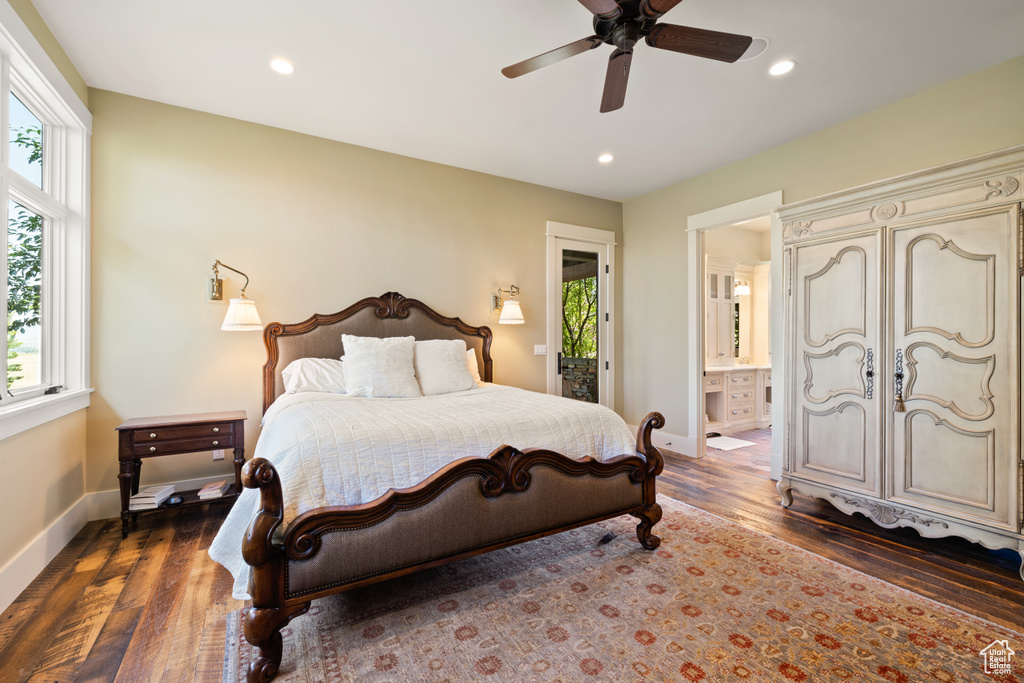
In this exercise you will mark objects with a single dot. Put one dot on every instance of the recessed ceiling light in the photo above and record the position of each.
(783, 67)
(757, 47)
(605, 158)
(282, 66)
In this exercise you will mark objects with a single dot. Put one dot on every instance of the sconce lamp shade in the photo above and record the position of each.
(742, 289)
(511, 313)
(242, 316)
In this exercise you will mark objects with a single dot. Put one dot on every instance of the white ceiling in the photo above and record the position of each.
(422, 78)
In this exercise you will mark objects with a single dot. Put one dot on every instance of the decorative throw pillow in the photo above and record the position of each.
(314, 374)
(474, 368)
(380, 367)
(441, 366)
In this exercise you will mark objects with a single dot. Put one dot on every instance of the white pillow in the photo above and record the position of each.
(380, 367)
(314, 374)
(474, 368)
(441, 366)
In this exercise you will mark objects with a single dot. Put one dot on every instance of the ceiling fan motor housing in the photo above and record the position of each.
(626, 30)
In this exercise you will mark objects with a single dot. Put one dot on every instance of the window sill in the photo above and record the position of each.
(31, 413)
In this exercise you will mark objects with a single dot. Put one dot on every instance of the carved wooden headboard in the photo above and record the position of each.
(389, 315)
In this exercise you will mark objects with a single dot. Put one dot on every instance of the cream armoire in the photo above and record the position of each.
(903, 332)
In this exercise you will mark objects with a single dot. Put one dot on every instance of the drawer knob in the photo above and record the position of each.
(152, 449)
(214, 443)
(152, 435)
(216, 429)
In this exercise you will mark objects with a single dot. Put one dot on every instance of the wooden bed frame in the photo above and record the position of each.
(509, 497)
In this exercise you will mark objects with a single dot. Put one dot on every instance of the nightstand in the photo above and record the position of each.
(154, 437)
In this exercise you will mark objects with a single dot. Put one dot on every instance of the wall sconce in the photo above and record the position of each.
(511, 313)
(742, 288)
(242, 315)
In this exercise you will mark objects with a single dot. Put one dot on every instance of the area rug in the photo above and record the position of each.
(716, 602)
(728, 443)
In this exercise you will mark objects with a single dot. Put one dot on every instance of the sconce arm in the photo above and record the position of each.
(224, 265)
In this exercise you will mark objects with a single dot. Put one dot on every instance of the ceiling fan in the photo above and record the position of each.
(622, 24)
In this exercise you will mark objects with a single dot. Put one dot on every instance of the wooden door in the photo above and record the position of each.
(955, 327)
(835, 435)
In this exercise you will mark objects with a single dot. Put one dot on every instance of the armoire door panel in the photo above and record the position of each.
(954, 300)
(962, 385)
(835, 444)
(834, 294)
(950, 464)
(835, 311)
(835, 373)
(949, 291)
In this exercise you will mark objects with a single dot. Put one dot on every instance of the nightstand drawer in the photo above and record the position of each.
(206, 443)
(190, 432)
(740, 412)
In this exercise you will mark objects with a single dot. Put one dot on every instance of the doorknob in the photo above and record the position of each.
(559, 361)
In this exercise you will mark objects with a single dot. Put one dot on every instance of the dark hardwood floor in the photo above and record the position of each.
(152, 607)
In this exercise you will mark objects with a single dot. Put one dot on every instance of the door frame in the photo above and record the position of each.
(696, 226)
(604, 243)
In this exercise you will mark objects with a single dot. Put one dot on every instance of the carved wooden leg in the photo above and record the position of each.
(262, 628)
(648, 516)
(786, 492)
(124, 479)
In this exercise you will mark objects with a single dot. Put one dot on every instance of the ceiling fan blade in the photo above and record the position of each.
(606, 9)
(548, 58)
(699, 42)
(615, 80)
(655, 8)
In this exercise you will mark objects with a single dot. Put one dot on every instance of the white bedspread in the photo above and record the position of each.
(332, 449)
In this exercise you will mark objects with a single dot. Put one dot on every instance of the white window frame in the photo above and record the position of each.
(28, 71)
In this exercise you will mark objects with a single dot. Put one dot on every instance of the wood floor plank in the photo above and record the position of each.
(26, 604)
(108, 651)
(62, 660)
(146, 656)
(188, 628)
(20, 657)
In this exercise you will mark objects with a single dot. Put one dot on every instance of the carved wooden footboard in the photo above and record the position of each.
(509, 497)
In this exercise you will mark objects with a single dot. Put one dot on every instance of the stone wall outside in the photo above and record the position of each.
(579, 379)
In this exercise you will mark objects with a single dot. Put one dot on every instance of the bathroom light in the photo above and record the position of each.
(783, 67)
(742, 288)
(242, 315)
(606, 158)
(282, 66)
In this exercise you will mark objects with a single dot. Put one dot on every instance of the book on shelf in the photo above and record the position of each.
(214, 490)
(151, 497)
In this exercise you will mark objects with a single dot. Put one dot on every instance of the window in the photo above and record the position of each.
(44, 198)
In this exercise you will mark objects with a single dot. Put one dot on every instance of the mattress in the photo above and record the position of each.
(333, 449)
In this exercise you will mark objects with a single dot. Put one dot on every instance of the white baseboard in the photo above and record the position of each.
(20, 571)
(24, 567)
(673, 442)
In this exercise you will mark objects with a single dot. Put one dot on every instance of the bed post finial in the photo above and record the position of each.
(263, 621)
(650, 514)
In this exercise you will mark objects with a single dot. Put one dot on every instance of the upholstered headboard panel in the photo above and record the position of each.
(390, 315)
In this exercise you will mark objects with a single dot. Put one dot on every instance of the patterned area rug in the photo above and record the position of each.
(717, 602)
